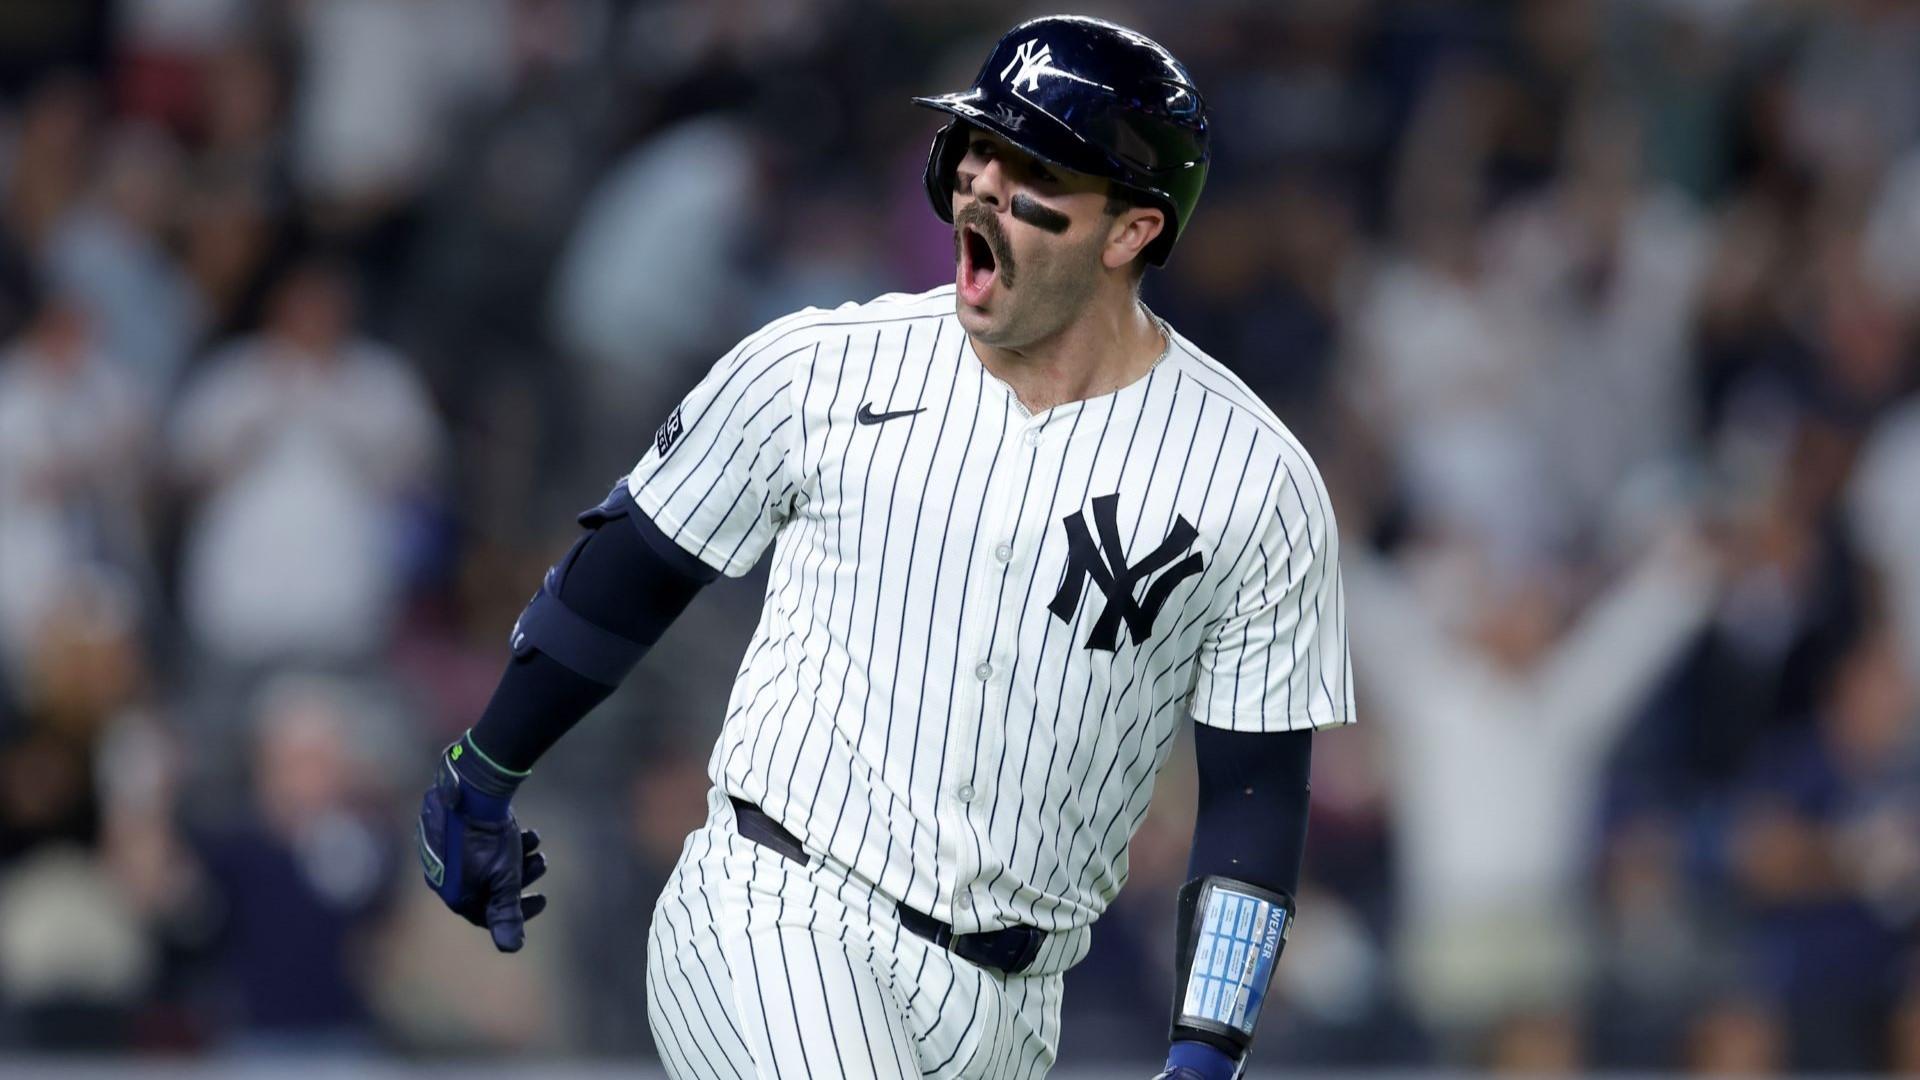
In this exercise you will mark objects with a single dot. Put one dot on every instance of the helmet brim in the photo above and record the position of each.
(1012, 123)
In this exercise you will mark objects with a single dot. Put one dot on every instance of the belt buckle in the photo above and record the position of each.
(1008, 962)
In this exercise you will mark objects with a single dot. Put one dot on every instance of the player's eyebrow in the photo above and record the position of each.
(1029, 210)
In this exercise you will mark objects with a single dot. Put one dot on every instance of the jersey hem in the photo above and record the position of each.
(1312, 718)
(672, 528)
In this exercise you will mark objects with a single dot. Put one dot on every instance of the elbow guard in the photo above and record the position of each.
(631, 585)
(550, 626)
(1229, 937)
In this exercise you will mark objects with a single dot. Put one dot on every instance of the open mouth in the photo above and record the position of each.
(978, 267)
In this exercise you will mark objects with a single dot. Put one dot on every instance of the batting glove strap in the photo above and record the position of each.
(487, 786)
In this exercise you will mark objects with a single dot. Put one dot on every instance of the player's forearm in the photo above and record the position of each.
(537, 701)
(1249, 838)
(597, 612)
(602, 607)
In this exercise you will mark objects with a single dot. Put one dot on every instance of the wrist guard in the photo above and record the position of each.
(1228, 942)
(487, 786)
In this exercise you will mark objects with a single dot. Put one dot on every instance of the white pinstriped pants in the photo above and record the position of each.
(760, 967)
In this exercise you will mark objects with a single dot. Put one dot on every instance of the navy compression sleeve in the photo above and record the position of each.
(1252, 821)
(626, 578)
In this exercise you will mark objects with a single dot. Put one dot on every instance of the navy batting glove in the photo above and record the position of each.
(1198, 1061)
(471, 848)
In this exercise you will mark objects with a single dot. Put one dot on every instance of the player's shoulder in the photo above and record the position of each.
(1271, 439)
(1215, 379)
(811, 325)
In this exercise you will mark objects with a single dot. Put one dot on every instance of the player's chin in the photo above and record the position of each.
(980, 321)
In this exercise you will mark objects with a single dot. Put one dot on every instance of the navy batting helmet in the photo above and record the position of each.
(1090, 96)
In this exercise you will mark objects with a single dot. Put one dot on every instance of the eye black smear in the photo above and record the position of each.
(1040, 217)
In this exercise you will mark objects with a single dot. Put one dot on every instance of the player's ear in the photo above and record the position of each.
(1132, 230)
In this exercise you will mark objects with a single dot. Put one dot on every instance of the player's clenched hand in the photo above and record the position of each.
(475, 855)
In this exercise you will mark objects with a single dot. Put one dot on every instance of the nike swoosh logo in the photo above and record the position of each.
(866, 415)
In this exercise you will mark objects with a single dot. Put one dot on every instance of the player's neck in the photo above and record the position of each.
(1111, 345)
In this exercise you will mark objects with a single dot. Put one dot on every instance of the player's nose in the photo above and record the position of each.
(990, 183)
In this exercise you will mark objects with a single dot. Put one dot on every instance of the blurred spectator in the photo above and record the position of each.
(111, 252)
(228, 238)
(380, 79)
(301, 880)
(1825, 855)
(164, 48)
(1601, 267)
(1677, 62)
(1893, 232)
(1792, 601)
(1885, 514)
(50, 157)
(641, 289)
(1657, 956)
(491, 228)
(240, 109)
(48, 798)
(1906, 1036)
(299, 445)
(1736, 1038)
(1856, 92)
(1501, 708)
(1444, 370)
(74, 960)
(74, 426)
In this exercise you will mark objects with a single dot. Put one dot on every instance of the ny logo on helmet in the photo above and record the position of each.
(1032, 63)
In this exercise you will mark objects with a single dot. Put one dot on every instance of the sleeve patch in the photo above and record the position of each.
(668, 434)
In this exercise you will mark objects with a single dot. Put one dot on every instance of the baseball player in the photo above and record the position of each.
(1021, 530)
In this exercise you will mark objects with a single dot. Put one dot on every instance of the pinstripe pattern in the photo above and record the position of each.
(910, 707)
(810, 975)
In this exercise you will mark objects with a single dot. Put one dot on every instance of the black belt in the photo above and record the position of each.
(1010, 951)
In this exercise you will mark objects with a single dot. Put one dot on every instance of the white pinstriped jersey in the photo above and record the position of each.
(983, 626)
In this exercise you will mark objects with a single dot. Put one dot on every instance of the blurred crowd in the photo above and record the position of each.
(320, 318)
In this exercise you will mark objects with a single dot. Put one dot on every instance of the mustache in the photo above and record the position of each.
(984, 221)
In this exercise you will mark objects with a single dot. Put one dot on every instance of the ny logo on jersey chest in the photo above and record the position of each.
(1105, 563)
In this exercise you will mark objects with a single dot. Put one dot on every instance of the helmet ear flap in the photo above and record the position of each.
(949, 146)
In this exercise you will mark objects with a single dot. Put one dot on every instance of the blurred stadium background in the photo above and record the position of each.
(322, 317)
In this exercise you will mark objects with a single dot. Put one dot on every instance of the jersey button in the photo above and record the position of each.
(1033, 438)
(1004, 552)
(964, 793)
(983, 671)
